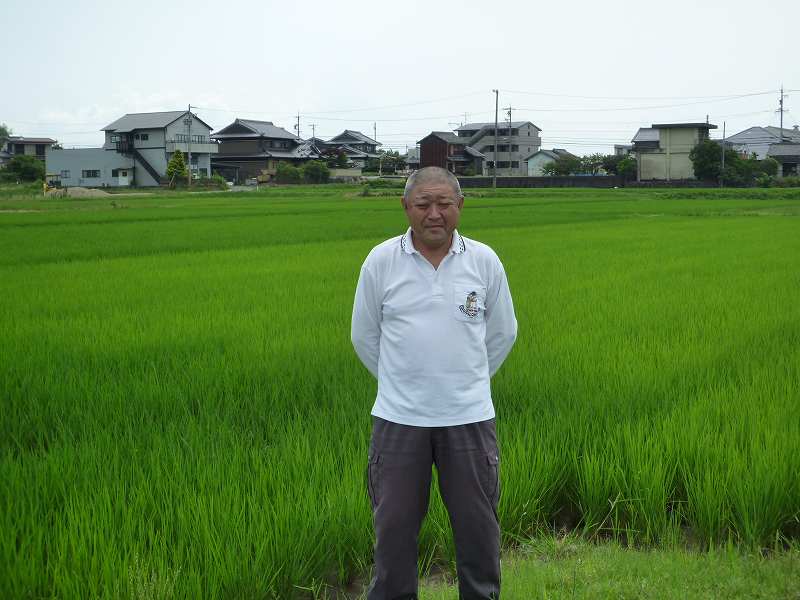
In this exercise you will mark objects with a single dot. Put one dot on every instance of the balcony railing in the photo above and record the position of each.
(199, 143)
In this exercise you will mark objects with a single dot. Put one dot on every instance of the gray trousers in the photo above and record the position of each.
(399, 481)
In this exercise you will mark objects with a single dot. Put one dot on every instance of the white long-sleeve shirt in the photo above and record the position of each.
(433, 337)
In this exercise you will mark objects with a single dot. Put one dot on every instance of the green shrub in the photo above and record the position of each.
(287, 173)
(316, 171)
(219, 181)
(791, 181)
(24, 168)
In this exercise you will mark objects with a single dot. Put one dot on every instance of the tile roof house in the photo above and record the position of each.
(252, 149)
(358, 147)
(757, 140)
(449, 151)
(537, 160)
(137, 149)
(788, 156)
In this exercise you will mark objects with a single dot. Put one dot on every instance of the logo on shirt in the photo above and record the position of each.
(470, 306)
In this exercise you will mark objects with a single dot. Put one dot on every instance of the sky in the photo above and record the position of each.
(587, 73)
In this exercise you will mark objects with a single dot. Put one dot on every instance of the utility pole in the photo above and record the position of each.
(313, 130)
(508, 110)
(375, 132)
(722, 171)
(494, 162)
(297, 127)
(780, 109)
(188, 122)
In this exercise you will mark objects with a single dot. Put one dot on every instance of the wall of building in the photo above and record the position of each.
(71, 164)
(536, 163)
(670, 161)
(433, 152)
(527, 142)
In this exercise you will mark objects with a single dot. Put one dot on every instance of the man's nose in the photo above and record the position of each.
(434, 212)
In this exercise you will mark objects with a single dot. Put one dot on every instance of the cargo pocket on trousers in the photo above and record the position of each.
(373, 478)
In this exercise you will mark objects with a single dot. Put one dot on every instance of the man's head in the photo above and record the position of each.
(432, 201)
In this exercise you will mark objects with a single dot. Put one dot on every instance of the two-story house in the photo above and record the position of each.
(449, 151)
(515, 142)
(662, 150)
(17, 145)
(358, 147)
(252, 149)
(137, 150)
(781, 144)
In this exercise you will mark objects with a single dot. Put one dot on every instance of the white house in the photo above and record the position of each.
(540, 158)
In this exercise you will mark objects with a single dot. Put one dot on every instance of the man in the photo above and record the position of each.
(433, 321)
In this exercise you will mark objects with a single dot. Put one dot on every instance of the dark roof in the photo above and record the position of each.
(790, 134)
(356, 135)
(151, 120)
(500, 125)
(258, 129)
(683, 126)
(21, 139)
(472, 152)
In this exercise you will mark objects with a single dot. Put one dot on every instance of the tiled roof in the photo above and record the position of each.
(21, 139)
(356, 135)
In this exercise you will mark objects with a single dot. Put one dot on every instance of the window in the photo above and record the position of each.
(19, 148)
(488, 148)
(65, 174)
(115, 172)
(515, 164)
(502, 147)
(515, 132)
(145, 137)
(514, 148)
(124, 173)
(136, 137)
(502, 164)
(490, 164)
(114, 139)
(40, 150)
(90, 173)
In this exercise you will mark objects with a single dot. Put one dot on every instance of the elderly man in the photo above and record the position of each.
(433, 321)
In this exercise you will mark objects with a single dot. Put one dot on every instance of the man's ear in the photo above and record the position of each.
(403, 201)
(461, 203)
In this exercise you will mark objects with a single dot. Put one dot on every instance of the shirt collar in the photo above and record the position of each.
(456, 247)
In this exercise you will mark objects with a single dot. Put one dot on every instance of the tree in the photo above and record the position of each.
(5, 133)
(611, 162)
(591, 164)
(626, 168)
(286, 173)
(769, 166)
(316, 171)
(562, 166)
(341, 160)
(25, 168)
(176, 169)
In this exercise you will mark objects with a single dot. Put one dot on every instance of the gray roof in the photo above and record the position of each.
(258, 129)
(21, 139)
(151, 120)
(450, 138)
(784, 149)
(356, 135)
(790, 134)
(646, 134)
(472, 152)
(555, 154)
(500, 125)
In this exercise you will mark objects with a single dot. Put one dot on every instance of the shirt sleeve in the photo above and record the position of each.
(501, 324)
(365, 330)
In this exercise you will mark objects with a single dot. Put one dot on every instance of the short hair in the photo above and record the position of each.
(426, 174)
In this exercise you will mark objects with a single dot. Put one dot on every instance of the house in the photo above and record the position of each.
(449, 151)
(757, 140)
(515, 141)
(137, 149)
(788, 156)
(623, 149)
(17, 145)
(662, 150)
(358, 147)
(252, 149)
(536, 161)
(412, 159)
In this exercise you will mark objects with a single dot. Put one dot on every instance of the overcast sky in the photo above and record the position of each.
(587, 73)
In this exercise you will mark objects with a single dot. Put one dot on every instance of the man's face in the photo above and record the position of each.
(433, 209)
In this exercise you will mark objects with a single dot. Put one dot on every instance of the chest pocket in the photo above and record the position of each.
(469, 302)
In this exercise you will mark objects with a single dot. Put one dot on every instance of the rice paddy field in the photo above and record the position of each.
(183, 414)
